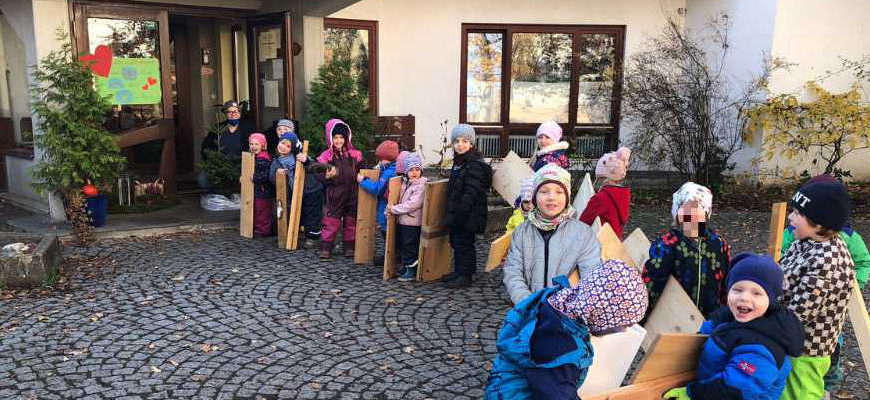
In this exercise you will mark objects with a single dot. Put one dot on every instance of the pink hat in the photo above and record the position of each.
(613, 165)
(258, 137)
(400, 162)
(551, 130)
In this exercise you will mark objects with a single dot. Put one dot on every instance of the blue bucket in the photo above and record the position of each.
(98, 207)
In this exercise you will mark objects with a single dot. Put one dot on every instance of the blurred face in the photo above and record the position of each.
(415, 173)
(461, 145)
(544, 140)
(233, 113)
(551, 199)
(281, 129)
(338, 141)
(802, 228)
(255, 147)
(747, 300)
(283, 148)
(691, 218)
(527, 206)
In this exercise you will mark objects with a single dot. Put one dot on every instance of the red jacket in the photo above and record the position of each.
(611, 204)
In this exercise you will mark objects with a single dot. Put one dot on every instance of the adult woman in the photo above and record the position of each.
(230, 139)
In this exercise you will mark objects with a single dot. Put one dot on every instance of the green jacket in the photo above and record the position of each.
(855, 244)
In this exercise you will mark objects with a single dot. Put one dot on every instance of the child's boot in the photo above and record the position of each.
(325, 250)
(409, 273)
(348, 249)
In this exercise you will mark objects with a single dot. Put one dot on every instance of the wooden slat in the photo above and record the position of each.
(670, 354)
(498, 250)
(619, 349)
(507, 178)
(366, 222)
(637, 245)
(584, 193)
(162, 130)
(283, 207)
(395, 189)
(777, 223)
(611, 246)
(435, 251)
(675, 312)
(860, 324)
(651, 390)
(246, 217)
(296, 202)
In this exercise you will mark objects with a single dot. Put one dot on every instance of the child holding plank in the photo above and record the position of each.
(341, 191)
(409, 209)
(551, 150)
(613, 199)
(264, 192)
(288, 152)
(522, 205)
(386, 152)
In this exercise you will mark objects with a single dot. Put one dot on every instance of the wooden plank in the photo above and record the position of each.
(637, 245)
(296, 202)
(670, 354)
(611, 246)
(777, 223)
(650, 390)
(860, 324)
(366, 222)
(282, 207)
(507, 178)
(498, 250)
(675, 312)
(395, 189)
(246, 210)
(584, 193)
(608, 371)
(435, 251)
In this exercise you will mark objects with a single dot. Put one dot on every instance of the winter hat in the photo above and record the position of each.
(527, 186)
(693, 191)
(288, 123)
(464, 131)
(413, 160)
(826, 204)
(613, 165)
(387, 150)
(760, 269)
(551, 130)
(258, 137)
(552, 173)
(340, 128)
(295, 144)
(611, 295)
(823, 178)
(231, 103)
(400, 162)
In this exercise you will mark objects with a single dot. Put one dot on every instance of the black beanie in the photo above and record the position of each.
(760, 269)
(826, 204)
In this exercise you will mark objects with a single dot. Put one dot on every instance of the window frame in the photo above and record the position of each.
(504, 127)
(372, 27)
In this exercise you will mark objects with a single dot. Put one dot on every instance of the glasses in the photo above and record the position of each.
(232, 111)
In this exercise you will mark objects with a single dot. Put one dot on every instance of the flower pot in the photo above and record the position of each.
(98, 207)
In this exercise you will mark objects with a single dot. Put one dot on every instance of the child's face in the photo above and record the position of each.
(544, 141)
(747, 300)
(283, 148)
(415, 173)
(527, 206)
(691, 218)
(551, 199)
(802, 227)
(281, 129)
(255, 147)
(338, 141)
(461, 145)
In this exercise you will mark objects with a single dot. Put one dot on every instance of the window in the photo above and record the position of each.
(565, 73)
(356, 40)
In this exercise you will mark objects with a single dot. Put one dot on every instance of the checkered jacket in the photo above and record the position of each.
(818, 281)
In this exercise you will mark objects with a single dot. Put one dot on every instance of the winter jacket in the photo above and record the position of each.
(410, 205)
(537, 257)
(330, 152)
(231, 144)
(506, 378)
(288, 162)
(701, 270)
(515, 220)
(341, 191)
(470, 179)
(611, 204)
(818, 283)
(747, 360)
(553, 154)
(855, 244)
(263, 188)
(379, 189)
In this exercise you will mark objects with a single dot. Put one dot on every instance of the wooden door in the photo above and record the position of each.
(270, 57)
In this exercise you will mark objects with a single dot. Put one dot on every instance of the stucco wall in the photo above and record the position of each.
(17, 103)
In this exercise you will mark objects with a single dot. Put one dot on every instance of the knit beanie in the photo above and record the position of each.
(551, 130)
(527, 186)
(826, 204)
(609, 296)
(552, 173)
(295, 144)
(228, 104)
(413, 160)
(692, 191)
(760, 269)
(613, 165)
(258, 137)
(288, 123)
(387, 150)
(464, 131)
(400, 163)
(823, 178)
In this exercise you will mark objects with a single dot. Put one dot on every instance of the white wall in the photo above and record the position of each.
(14, 55)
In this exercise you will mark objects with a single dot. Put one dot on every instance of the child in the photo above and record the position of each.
(341, 191)
(551, 150)
(612, 200)
(410, 212)
(819, 273)
(522, 206)
(470, 178)
(264, 192)
(386, 152)
(751, 340)
(692, 252)
(544, 347)
(400, 163)
(289, 152)
(551, 242)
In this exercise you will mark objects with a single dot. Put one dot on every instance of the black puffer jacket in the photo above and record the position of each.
(469, 183)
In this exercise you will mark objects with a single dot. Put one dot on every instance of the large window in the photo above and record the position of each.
(516, 76)
(356, 40)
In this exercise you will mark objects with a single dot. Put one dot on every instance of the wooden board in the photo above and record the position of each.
(282, 207)
(670, 354)
(596, 225)
(584, 193)
(296, 202)
(615, 352)
(777, 223)
(395, 190)
(498, 250)
(650, 390)
(246, 210)
(675, 312)
(611, 246)
(435, 251)
(507, 177)
(860, 324)
(366, 222)
(637, 245)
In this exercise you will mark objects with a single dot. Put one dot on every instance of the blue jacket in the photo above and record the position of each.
(747, 360)
(379, 189)
(288, 162)
(507, 379)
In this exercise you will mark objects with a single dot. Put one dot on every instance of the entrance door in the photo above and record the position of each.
(270, 58)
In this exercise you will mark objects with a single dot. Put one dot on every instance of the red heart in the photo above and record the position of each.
(151, 81)
(100, 62)
(144, 87)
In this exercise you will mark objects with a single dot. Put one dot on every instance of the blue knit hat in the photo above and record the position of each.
(760, 269)
(295, 144)
(826, 204)
(464, 131)
(288, 123)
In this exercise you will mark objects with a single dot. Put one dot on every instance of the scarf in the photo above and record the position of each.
(549, 224)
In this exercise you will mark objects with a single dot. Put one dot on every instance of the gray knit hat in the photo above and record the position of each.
(288, 123)
(464, 131)
(413, 160)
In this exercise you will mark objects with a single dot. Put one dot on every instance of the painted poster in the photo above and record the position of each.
(132, 81)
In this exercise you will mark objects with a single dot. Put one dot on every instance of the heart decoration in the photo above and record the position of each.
(152, 81)
(145, 87)
(100, 62)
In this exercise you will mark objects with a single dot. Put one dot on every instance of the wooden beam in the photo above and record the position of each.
(246, 219)
(436, 254)
(860, 324)
(674, 312)
(283, 207)
(651, 390)
(163, 129)
(296, 202)
(611, 246)
(394, 191)
(366, 222)
(167, 165)
(670, 354)
(498, 250)
(777, 223)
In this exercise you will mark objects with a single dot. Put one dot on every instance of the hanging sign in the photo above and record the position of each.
(132, 81)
